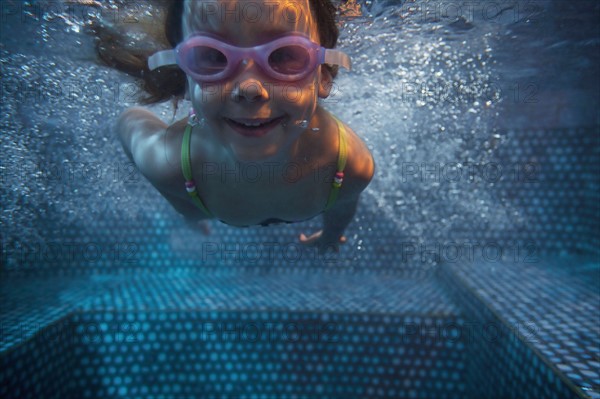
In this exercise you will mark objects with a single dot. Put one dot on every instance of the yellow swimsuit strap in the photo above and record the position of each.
(341, 164)
(186, 167)
(190, 185)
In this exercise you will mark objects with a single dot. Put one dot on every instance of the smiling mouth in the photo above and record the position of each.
(257, 127)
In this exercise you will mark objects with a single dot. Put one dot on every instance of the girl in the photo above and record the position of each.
(257, 147)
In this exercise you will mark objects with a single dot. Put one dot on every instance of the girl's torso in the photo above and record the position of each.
(249, 193)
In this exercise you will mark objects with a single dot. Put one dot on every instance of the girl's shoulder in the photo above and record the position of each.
(360, 165)
(154, 146)
(167, 154)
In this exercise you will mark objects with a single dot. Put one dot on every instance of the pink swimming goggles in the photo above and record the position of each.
(288, 58)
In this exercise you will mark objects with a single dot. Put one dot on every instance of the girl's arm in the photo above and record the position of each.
(336, 219)
(143, 136)
(137, 129)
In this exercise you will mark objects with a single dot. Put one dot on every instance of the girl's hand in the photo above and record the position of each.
(321, 242)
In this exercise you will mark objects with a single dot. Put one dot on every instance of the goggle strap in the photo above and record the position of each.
(336, 57)
(162, 58)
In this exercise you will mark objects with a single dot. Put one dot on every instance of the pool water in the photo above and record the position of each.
(471, 268)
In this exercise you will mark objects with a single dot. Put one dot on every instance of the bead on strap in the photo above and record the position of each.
(186, 165)
(341, 164)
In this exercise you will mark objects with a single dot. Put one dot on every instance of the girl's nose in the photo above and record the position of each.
(248, 87)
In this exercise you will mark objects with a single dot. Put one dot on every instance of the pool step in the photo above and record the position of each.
(285, 335)
(535, 325)
(246, 335)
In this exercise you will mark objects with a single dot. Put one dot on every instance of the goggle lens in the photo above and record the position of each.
(208, 61)
(205, 60)
(289, 60)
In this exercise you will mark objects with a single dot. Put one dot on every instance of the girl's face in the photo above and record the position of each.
(251, 113)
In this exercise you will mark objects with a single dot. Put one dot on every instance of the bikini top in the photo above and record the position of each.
(190, 185)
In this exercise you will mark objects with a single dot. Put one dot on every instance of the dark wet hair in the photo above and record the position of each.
(115, 48)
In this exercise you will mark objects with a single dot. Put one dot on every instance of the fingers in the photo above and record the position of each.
(314, 240)
(303, 239)
(310, 239)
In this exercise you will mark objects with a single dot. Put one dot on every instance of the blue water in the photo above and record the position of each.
(483, 121)
(435, 91)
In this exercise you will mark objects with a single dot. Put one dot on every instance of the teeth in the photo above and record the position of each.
(258, 123)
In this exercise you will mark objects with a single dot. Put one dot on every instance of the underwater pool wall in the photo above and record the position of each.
(314, 328)
(447, 288)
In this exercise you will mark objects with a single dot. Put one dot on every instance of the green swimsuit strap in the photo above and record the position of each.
(186, 167)
(341, 164)
(190, 185)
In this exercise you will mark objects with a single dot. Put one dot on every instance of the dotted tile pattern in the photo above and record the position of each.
(41, 368)
(549, 180)
(557, 211)
(318, 292)
(304, 354)
(236, 307)
(238, 335)
(252, 355)
(28, 306)
(541, 317)
(552, 178)
(161, 241)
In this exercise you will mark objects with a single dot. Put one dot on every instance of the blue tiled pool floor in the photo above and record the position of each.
(29, 304)
(493, 328)
(552, 306)
(325, 335)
